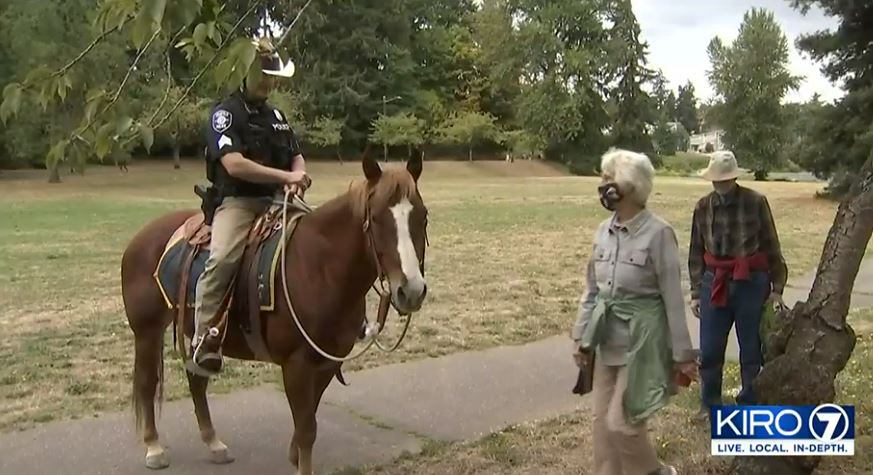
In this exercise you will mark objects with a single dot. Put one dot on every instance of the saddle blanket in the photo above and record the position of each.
(168, 274)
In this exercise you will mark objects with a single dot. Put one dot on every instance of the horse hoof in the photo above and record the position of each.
(221, 457)
(157, 461)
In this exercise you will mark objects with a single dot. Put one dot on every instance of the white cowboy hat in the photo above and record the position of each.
(722, 167)
(279, 68)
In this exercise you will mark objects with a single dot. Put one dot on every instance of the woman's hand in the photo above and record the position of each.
(580, 356)
(685, 372)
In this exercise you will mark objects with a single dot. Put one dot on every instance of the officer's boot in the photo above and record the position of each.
(206, 357)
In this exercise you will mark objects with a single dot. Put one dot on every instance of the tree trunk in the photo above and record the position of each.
(177, 152)
(55, 173)
(470, 148)
(339, 155)
(813, 342)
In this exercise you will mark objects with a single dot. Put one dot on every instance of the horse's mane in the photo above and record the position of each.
(394, 184)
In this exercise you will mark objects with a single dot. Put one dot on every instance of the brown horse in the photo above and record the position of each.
(333, 258)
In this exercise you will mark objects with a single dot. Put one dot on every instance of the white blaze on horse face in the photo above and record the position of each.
(405, 248)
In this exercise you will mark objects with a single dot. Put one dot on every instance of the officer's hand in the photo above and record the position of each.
(298, 178)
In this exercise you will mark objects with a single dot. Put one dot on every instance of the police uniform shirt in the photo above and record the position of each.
(257, 131)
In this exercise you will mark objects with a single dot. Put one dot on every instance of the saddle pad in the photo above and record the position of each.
(169, 272)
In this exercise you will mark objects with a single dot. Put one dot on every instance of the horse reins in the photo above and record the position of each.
(383, 294)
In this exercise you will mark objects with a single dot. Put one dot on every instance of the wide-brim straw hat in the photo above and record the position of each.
(722, 167)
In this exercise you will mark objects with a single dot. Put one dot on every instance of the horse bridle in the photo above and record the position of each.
(371, 245)
(385, 300)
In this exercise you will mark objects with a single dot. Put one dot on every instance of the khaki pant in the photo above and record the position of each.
(230, 229)
(619, 448)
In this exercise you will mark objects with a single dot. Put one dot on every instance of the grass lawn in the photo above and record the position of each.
(563, 445)
(508, 245)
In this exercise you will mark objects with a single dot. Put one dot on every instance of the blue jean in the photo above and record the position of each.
(744, 309)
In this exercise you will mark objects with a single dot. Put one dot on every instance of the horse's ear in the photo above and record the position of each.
(372, 170)
(414, 165)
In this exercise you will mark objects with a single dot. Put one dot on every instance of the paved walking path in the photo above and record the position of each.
(385, 412)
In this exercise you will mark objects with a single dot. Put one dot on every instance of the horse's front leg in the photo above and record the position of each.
(299, 377)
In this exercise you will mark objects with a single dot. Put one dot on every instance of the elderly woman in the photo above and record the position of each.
(631, 321)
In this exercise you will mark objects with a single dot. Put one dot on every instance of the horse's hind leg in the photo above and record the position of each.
(197, 385)
(147, 375)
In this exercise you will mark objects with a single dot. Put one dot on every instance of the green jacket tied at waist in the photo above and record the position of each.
(649, 357)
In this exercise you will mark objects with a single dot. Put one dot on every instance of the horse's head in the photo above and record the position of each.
(395, 220)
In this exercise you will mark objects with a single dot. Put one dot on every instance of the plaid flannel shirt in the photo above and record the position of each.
(738, 224)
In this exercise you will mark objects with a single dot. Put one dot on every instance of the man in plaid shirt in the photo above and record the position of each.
(736, 267)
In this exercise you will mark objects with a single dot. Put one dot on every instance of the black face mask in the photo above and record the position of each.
(609, 195)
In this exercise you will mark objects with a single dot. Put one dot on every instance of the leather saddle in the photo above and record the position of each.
(253, 289)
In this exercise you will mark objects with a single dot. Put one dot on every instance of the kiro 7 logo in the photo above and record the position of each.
(829, 422)
(827, 429)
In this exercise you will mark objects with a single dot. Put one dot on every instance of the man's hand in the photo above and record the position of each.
(298, 178)
(695, 308)
(776, 301)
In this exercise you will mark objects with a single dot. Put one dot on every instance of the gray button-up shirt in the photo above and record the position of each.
(638, 258)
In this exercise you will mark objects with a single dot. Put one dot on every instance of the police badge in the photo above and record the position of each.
(221, 120)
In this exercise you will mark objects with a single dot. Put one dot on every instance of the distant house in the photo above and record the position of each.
(697, 142)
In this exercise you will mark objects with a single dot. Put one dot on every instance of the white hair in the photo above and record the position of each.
(633, 172)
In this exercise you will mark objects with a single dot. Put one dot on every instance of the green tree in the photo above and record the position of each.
(751, 76)
(326, 132)
(559, 52)
(398, 129)
(523, 143)
(670, 137)
(813, 342)
(469, 128)
(634, 109)
(102, 92)
(353, 54)
(664, 99)
(501, 58)
(686, 108)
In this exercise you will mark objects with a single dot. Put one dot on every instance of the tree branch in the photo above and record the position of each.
(120, 87)
(200, 74)
(131, 68)
(293, 22)
(90, 47)
(169, 76)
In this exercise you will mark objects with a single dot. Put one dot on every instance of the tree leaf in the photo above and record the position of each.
(56, 154)
(142, 29)
(11, 101)
(214, 34)
(148, 136)
(103, 141)
(123, 125)
(182, 12)
(155, 9)
(200, 34)
(64, 84)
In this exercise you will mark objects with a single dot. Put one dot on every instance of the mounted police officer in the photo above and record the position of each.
(252, 153)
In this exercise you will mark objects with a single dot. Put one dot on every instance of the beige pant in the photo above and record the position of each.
(619, 448)
(230, 229)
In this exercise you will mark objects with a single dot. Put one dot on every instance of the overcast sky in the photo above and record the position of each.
(678, 32)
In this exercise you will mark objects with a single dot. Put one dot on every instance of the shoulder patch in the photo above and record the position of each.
(278, 114)
(221, 120)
